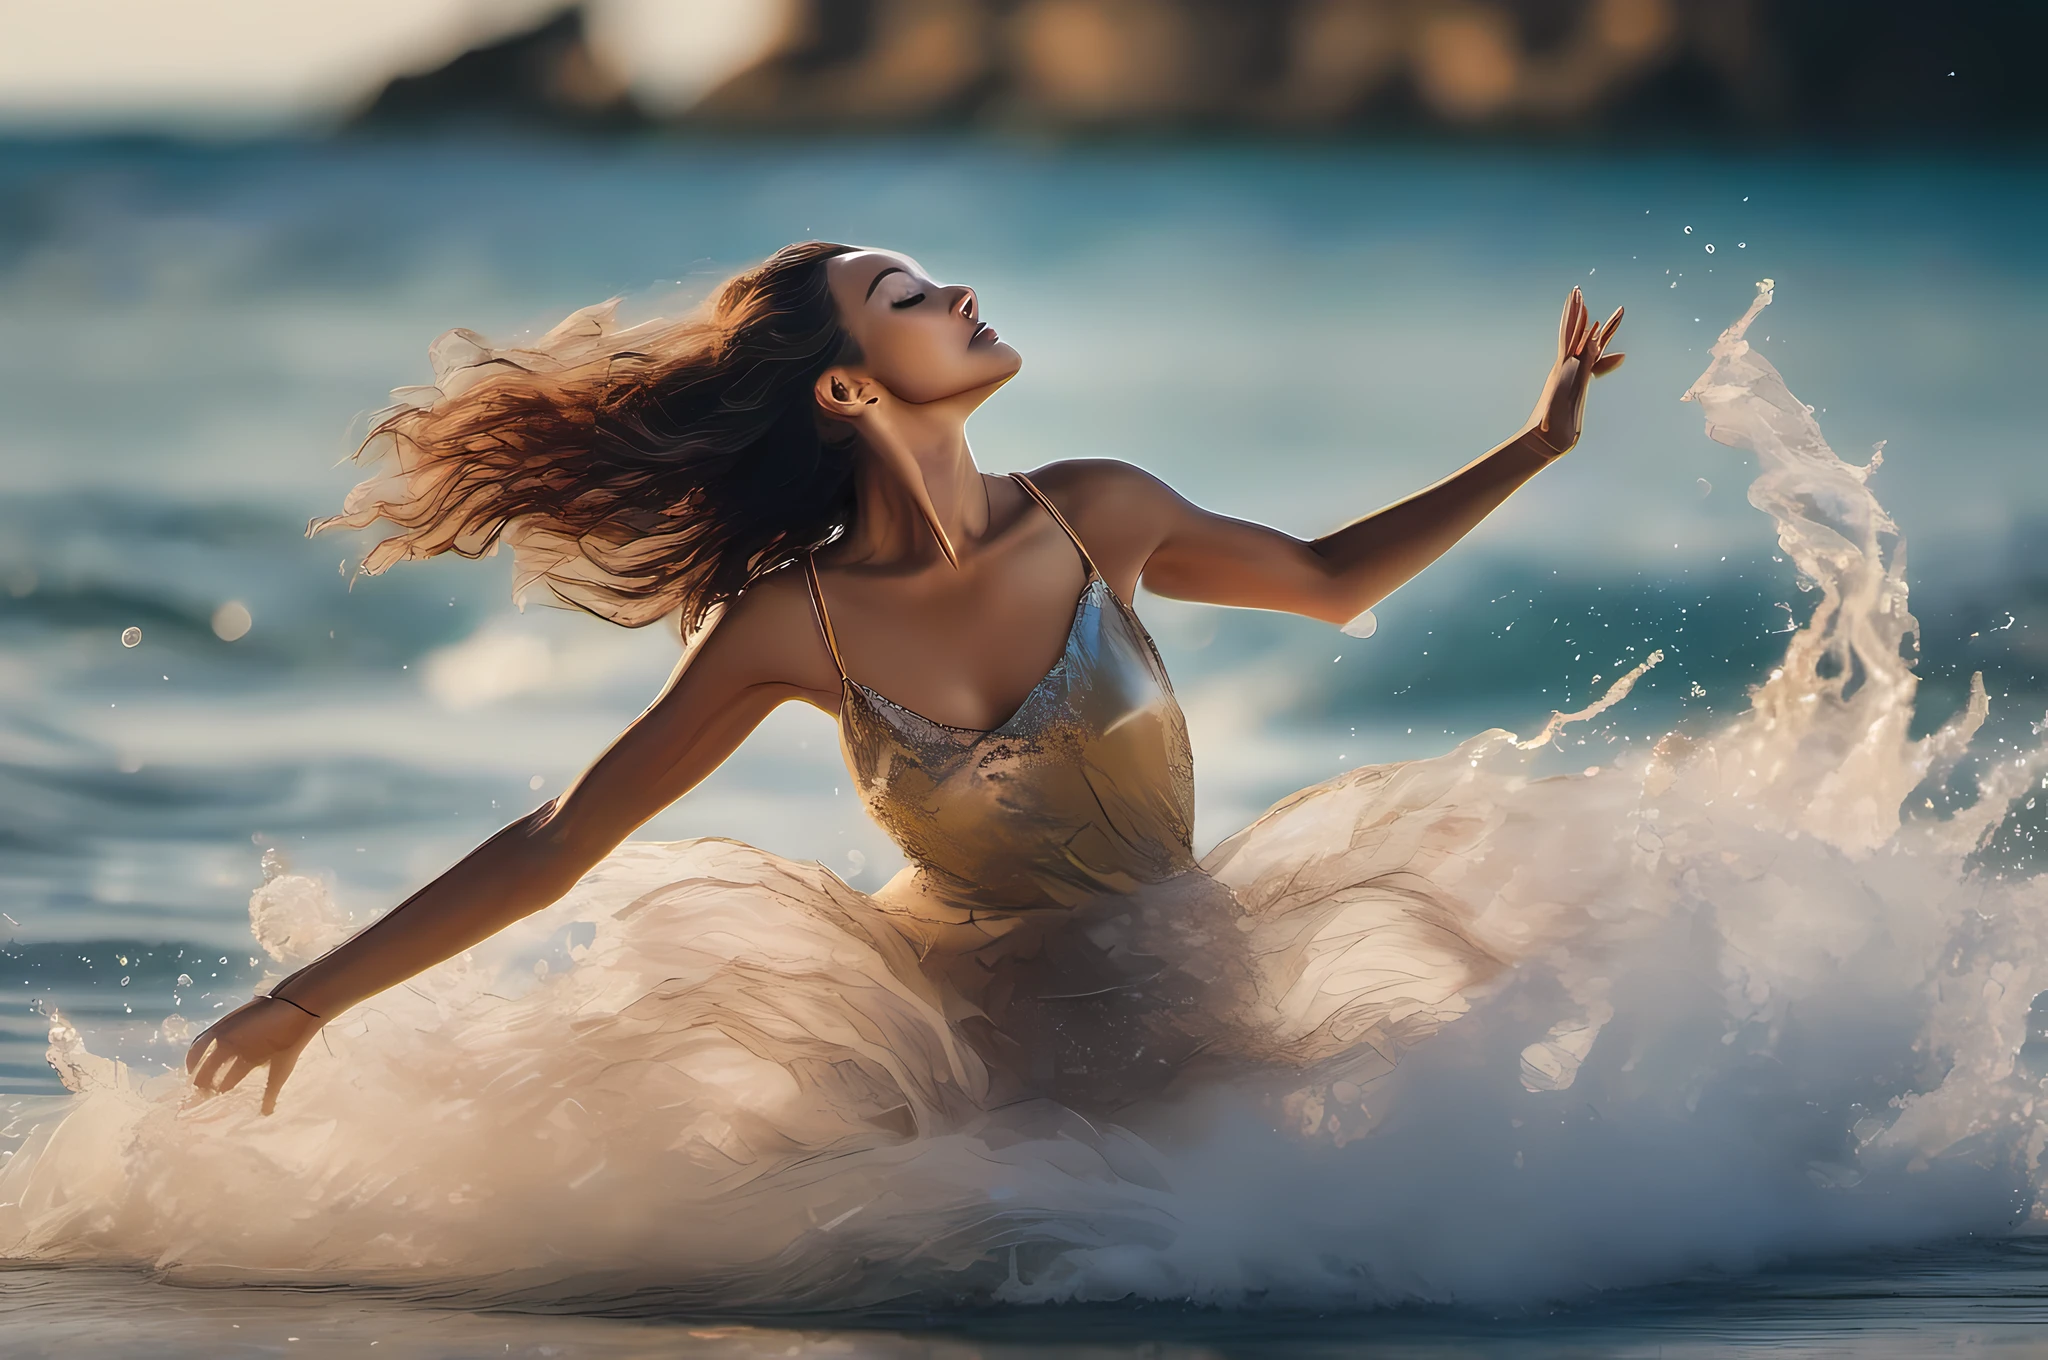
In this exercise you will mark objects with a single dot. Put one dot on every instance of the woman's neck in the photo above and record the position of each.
(914, 480)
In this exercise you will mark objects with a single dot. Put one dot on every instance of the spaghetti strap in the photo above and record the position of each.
(1057, 518)
(818, 607)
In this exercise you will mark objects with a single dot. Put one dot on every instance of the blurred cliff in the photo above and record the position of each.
(1537, 68)
(548, 76)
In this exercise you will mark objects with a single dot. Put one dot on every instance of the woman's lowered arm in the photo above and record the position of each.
(763, 652)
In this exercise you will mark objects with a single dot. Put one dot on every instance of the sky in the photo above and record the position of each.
(199, 65)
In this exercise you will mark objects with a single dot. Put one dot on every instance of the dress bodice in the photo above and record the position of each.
(1086, 790)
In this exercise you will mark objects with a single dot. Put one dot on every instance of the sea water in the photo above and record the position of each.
(1811, 1049)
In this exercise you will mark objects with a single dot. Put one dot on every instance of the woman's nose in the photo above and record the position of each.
(966, 304)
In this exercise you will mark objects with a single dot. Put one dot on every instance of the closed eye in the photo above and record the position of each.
(910, 301)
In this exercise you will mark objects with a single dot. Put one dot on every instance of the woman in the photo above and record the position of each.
(790, 474)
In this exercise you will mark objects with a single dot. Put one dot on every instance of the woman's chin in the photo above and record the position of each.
(1007, 373)
(991, 377)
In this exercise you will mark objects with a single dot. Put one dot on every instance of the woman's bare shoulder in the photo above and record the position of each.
(1089, 481)
(769, 635)
(1108, 491)
(1120, 511)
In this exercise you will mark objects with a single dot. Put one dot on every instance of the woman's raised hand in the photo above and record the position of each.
(266, 1030)
(1581, 357)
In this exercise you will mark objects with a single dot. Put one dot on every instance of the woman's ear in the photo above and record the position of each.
(845, 393)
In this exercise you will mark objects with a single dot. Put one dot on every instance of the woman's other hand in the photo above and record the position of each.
(1581, 356)
(265, 1031)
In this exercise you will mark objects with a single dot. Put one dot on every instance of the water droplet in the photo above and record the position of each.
(1688, 231)
(535, 782)
(184, 981)
(1704, 487)
(1710, 247)
(1363, 625)
(1742, 245)
(232, 621)
(131, 637)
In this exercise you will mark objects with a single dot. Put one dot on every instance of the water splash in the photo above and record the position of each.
(1738, 1004)
(1616, 692)
(294, 917)
(1823, 746)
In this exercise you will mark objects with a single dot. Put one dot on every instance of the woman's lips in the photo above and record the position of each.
(983, 332)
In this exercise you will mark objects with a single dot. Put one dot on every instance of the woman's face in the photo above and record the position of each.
(923, 340)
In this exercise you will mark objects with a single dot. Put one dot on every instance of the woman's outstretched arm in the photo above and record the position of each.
(1138, 527)
(765, 651)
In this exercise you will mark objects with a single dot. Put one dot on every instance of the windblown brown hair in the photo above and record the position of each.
(635, 473)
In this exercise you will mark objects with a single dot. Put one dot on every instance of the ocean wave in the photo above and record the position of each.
(1761, 1002)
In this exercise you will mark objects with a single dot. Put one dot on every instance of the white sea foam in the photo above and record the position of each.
(1753, 1005)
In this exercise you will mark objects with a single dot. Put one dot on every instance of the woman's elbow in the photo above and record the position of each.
(558, 847)
(1337, 596)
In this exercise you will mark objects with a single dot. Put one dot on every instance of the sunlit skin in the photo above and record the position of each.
(952, 594)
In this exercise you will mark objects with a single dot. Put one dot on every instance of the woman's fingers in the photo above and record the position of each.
(1607, 363)
(1603, 335)
(1575, 326)
(1571, 331)
(203, 1078)
(1588, 355)
(280, 1067)
(239, 1068)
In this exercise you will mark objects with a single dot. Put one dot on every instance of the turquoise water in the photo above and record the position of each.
(1985, 1300)
(1295, 336)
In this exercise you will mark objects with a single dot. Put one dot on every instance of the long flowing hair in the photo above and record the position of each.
(635, 473)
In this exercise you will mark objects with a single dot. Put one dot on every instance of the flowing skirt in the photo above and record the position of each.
(709, 1056)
